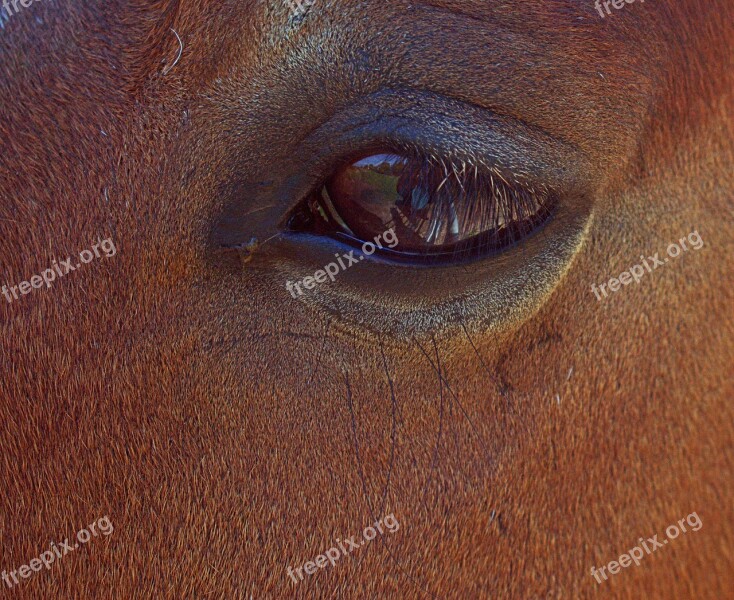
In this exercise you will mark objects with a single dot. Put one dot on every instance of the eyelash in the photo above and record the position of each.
(482, 203)
(462, 195)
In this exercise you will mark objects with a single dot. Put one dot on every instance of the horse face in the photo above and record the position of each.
(510, 419)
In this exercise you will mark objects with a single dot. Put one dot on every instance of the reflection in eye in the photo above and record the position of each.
(440, 211)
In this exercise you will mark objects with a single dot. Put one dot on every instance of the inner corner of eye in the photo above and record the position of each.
(438, 208)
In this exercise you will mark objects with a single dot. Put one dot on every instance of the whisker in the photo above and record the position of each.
(381, 535)
(440, 431)
(394, 425)
(500, 385)
(458, 402)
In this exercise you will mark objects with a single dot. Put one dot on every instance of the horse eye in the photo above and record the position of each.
(439, 211)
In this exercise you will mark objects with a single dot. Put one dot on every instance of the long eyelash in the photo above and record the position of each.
(451, 209)
(500, 208)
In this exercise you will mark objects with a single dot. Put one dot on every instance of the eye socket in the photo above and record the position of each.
(440, 211)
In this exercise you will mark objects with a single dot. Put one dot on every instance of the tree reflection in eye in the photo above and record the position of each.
(440, 210)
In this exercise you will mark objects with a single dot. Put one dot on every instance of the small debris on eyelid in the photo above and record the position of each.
(246, 250)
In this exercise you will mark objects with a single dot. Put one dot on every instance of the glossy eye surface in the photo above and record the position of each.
(439, 211)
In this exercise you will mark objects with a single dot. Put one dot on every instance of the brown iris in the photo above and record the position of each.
(438, 209)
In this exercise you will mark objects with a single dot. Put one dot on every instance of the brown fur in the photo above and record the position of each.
(230, 432)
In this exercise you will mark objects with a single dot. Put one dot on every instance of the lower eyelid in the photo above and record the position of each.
(400, 298)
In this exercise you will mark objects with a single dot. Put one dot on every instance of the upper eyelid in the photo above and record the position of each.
(445, 127)
(397, 118)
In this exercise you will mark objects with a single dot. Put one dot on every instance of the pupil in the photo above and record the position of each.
(367, 191)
